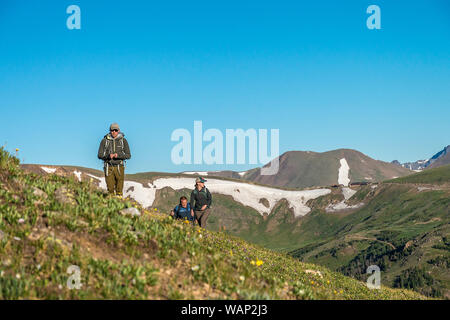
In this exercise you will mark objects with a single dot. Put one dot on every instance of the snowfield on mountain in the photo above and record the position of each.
(245, 193)
(343, 172)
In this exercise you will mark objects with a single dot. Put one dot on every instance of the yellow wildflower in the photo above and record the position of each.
(259, 262)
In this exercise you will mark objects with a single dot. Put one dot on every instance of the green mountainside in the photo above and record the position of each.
(439, 175)
(49, 223)
(404, 228)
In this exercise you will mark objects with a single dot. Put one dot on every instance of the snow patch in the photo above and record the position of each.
(137, 191)
(342, 206)
(343, 173)
(348, 193)
(242, 173)
(145, 196)
(48, 170)
(244, 193)
(77, 174)
(102, 181)
(200, 173)
(249, 194)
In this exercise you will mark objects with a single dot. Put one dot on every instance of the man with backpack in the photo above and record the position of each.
(114, 150)
(182, 210)
(200, 202)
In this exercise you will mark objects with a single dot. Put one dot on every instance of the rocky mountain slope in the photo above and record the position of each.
(441, 158)
(300, 169)
(61, 238)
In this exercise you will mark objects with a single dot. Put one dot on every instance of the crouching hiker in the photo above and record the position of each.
(183, 210)
(114, 150)
(200, 202)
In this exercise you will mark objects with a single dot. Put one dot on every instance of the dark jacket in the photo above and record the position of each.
(200, 198)
(183, 213)
(109, 145)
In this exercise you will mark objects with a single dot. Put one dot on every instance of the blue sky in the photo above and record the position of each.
(311, 69)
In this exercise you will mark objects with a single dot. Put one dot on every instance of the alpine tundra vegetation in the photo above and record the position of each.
(51, 222)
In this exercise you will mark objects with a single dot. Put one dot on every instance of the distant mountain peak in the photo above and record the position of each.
(439, 159)
(304, 169)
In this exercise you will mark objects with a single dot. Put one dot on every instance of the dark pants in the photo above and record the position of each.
(115, 177)
(202, 216)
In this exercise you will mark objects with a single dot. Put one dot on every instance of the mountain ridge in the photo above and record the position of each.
(303, 169)
(308, 168)
(438, 159)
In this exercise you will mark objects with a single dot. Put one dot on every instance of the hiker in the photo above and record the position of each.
(200, 202)
(182, 210)
(114, 150)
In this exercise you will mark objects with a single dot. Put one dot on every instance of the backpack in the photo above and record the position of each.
(188, 207)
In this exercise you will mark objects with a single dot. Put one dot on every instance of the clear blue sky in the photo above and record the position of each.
(311, 69)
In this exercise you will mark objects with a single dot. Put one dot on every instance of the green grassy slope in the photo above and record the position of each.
(439, 175)
(401, 229)
(51, 222)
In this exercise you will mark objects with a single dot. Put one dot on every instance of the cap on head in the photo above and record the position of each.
(200, 179)
(114, 126)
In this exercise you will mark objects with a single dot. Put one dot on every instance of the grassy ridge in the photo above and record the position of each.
(439, 175)
(49, 223)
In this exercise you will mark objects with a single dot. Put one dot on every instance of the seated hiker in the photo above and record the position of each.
(201, 202)
(183, 210)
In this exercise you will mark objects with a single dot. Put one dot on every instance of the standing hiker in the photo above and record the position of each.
(114, 150)
(200, 202)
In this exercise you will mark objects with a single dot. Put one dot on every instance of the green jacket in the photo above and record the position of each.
(109, 145)
(200, 198)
